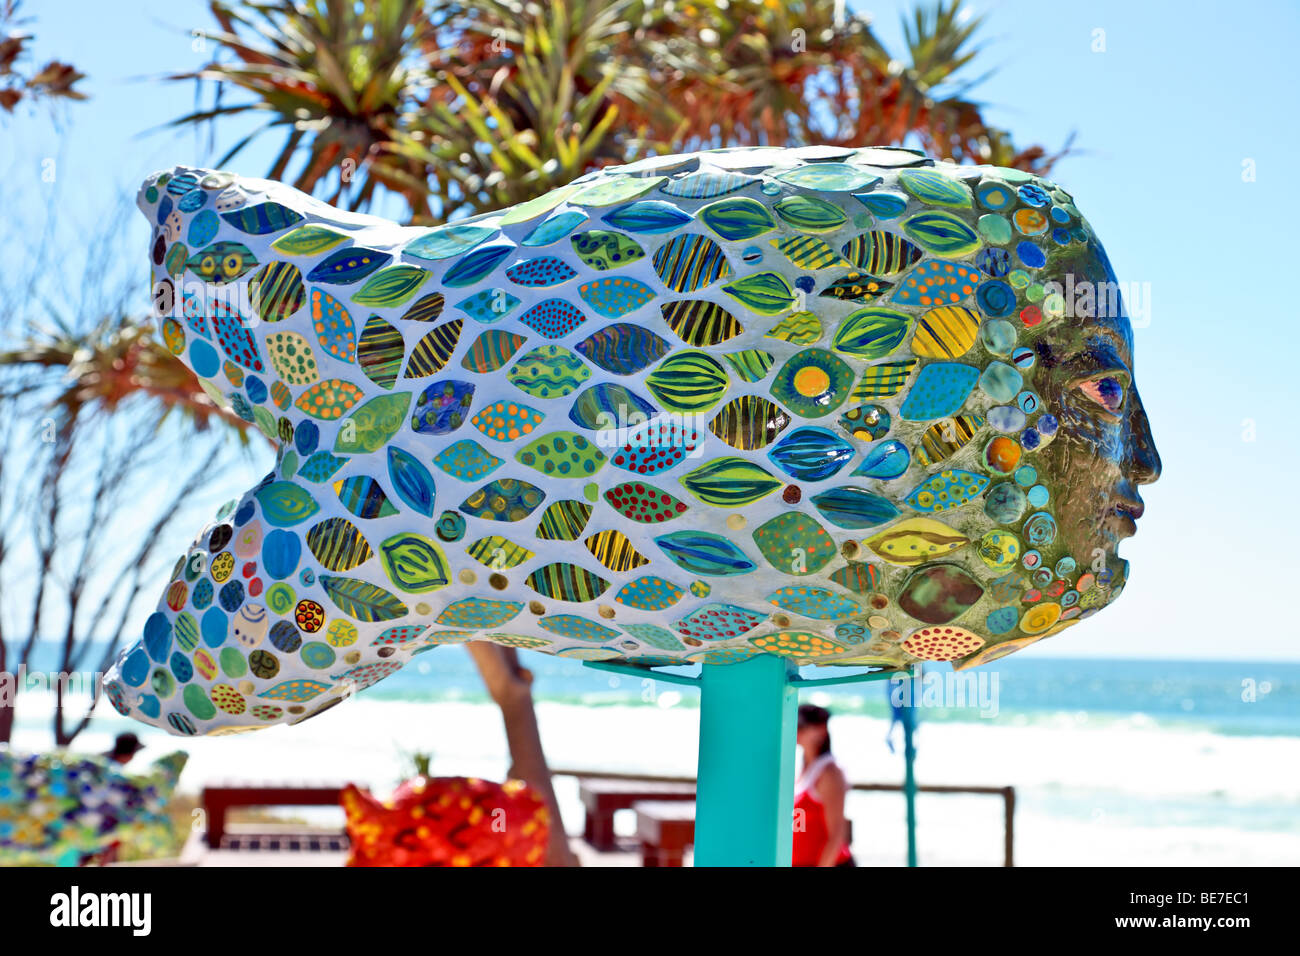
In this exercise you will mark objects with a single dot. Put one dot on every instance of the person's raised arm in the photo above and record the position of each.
(832, 788)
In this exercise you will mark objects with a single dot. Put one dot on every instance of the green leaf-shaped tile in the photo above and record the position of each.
(285, 504)
(941, 234)
(361, 600)
(611, 189)
(371, 426)
(808, 214)
(309, 240)
(737, 218)
(766, 293)
(563, 455)
(604, 249)
(498, 553)
(871, 333)
(391, 286)
(730, 483)
(794, 543)
(935, 189)
(414, 563)
(688, 382)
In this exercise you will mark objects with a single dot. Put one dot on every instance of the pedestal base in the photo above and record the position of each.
(745, 795)
(745, 777)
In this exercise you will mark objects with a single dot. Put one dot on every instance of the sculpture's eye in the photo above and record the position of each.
(232, 264)
(1108, 391)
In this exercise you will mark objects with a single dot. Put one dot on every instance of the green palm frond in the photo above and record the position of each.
(466, 106)
(112, 362)
(334, 75)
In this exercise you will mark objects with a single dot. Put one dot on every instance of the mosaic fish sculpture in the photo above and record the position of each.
(848, 406)
(58, 808)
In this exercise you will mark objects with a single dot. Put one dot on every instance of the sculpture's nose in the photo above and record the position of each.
(1144, 460)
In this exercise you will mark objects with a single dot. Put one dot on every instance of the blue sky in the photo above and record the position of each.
(1166, 115)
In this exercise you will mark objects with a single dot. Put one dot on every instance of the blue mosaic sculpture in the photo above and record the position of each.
(843, 406)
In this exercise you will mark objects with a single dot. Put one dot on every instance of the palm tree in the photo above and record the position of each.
(806, 71)
(334, 76)
(56, 80)
(114, 360)
(465, 107)
(82, 431)
(529, 97)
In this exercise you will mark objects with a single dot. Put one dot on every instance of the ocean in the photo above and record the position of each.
(1115, 762)
(1176, 694)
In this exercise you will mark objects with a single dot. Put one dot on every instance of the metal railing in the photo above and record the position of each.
(1008, 795)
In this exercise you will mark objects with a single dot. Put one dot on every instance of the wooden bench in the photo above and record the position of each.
(217, 800)
(665, 828)
(602, 798)
(242, 847)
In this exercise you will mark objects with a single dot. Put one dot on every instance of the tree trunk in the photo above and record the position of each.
(510, 685)
(8, 700)
(8, 695)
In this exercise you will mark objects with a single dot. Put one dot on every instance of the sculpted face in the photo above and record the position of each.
(1106, 450)
(843, 406)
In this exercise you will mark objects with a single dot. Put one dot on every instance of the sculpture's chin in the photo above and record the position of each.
(1101, 531)
(1116, 570)
(1116, 526)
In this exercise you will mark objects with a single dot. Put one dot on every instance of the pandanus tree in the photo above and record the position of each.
(809, 72)
(461, 108)
(86, 425)
(465, 107)
(19, 79)
(334, 78)
(67, 460)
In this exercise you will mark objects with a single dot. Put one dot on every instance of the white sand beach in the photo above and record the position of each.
(1089, 793)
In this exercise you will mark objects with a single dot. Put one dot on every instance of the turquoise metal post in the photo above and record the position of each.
(908, 715)
(745, 790)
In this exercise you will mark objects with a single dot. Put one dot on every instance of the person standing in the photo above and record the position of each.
(125, 747)
(820, 827)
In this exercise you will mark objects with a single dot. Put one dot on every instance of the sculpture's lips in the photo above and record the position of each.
(1133, 509)
(1129, 511)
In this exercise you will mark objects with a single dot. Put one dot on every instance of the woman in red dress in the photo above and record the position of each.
(820, 828)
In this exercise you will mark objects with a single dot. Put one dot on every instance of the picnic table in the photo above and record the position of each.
(602, 798)
(220, 798)
(665, 828)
